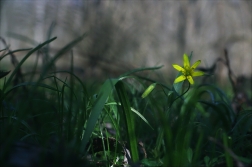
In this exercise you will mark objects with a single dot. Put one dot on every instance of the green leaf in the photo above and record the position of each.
(189, 154)
(24, 59)
(103, 95)
(141, 116)
(140, 69)
(30, 84)
(3, 73)
(61, 53)
(149, 90)
(206, 159)
(229, 160)
(129, 119)
(14, 51)
(135, 111)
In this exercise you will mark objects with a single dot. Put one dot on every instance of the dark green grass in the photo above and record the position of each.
(175, 125)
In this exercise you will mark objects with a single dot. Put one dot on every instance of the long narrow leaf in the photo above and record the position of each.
(129, 119)
(141, 69)
(103, 95)
(60, 53)
(29, 84)
(134, 110)
(24, 59)
(3, 73)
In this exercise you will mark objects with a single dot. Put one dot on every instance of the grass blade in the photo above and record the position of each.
(103, 95)
(129, 119)
(24, 59)
(60, 53)
(140, 69)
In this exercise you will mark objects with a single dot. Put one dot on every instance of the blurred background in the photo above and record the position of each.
(123, 35)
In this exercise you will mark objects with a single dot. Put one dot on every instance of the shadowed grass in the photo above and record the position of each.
(118, 123)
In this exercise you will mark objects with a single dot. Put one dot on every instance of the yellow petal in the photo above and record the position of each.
(190, 79)
(180, 78)
(195, 64)
(197, 73)
(177, 67)
(186, 61)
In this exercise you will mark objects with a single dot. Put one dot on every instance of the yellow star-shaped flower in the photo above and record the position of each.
(188, 71)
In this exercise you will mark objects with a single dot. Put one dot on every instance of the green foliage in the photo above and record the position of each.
(3, 73)
(129, 120)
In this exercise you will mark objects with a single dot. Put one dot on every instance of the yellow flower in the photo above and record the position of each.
(188, 71)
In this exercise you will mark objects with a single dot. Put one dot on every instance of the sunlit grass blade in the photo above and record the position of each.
(133, 110)
(103, 95)
(148, 90)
